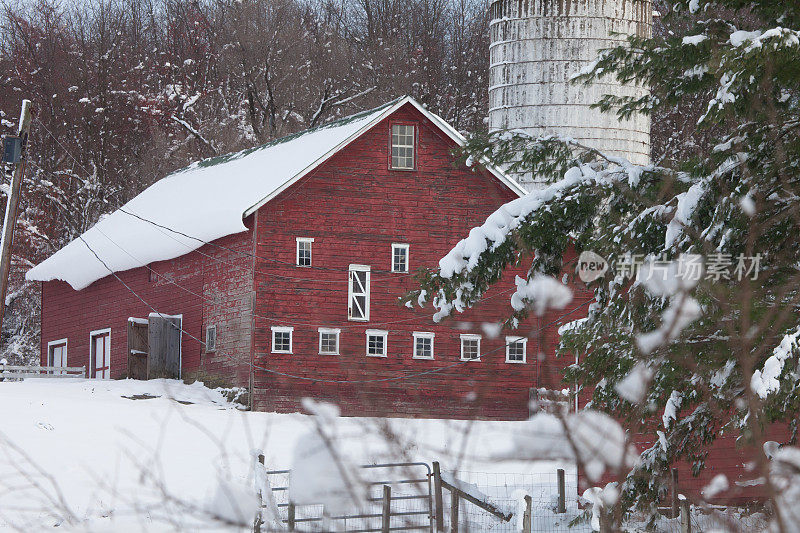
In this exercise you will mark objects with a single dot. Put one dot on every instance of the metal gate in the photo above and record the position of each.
(400, 499)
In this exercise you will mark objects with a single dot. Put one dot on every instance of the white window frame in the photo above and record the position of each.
(283, 329)
(329, 331)
(377, 333)
(92, 364)
(413, 146)
(511, 340)
(213, 348)
(351, 293)
(470, 337)
(304, 240)
(400, 246)
(59, 342)
(422, 335)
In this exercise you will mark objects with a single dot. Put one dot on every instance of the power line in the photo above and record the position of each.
(305, 378)
(245, 268)
(394, 275)
(273, 318)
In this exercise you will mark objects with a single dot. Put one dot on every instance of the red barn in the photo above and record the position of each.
(279, 269)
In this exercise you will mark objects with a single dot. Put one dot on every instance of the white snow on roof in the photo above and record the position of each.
(208, 200)
(203, 201)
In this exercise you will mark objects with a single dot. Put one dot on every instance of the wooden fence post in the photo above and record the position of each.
(604, 522)
(386, 514)
(675, 510)
(527, 518)
(686, 517)
(562, 496)
(327, 523)
(437, 496)
(290, 520)
(258, 521)
(453, 511)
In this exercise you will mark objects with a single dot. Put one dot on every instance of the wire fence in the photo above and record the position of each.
(507, 492)
(411, 506)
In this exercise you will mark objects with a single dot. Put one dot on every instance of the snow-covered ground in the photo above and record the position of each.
(161, 455)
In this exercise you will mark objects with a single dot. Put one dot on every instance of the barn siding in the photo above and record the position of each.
(355, 208)
(225, 300)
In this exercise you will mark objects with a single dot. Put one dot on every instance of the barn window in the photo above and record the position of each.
(100, 354)
(281, 339)
(358, 293)
(376, 342)
(304, 251)
(211, 339)
(470, 347)
(329, 341)
(402, 146)
(57, 354)
(423, 345)
(399, 257)
(516, 348)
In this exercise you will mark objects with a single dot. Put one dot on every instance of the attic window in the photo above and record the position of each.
(304, 251)
(402, 146)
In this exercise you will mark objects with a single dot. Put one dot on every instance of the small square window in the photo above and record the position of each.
(470, 347)
(282, 339)
(399, 258)
(329, 341)
(516, 348)
(376, 342)
(304, 251)
(211, 339)
(423, 345)
(402, 146)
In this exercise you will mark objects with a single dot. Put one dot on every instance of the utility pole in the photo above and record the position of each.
(12, 204)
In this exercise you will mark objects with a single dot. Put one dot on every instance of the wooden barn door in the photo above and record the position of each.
(164, 340)
(137, 348)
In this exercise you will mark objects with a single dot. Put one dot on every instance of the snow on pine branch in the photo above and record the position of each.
(465, 255)
(765, 381)
(592, 438)
(457, 267)
(540, 293)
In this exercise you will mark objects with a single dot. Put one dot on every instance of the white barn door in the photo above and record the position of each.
(101, 354)
(57, 354)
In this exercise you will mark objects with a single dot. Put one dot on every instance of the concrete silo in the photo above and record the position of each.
(538, 45)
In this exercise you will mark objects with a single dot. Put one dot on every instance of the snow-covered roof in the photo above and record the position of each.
(209, 199)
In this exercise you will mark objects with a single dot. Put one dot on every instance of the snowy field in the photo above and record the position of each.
(161, 455)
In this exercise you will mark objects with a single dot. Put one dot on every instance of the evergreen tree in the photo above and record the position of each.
(717, 352)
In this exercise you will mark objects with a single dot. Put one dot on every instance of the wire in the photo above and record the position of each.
(394, 275)
(273, 318)
(306, 378)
